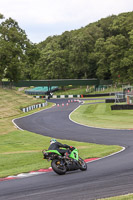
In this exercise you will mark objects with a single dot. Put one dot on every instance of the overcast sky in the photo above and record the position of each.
(43, 18)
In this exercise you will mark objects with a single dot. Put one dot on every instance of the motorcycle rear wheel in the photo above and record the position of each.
(57, 167)
(83, 165)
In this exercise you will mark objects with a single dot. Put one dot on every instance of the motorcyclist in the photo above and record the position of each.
(54, 145)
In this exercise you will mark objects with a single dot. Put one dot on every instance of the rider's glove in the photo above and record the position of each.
(72, 148)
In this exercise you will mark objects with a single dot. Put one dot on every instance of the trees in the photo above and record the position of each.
(14, 41)
(2, 55)
(103, 50)
(128, 61)
(53, 62)
(17, 53)
(32, 54)
(78, 57)
(101, 56)
(117, 46)
(111, 60)
(3, 59)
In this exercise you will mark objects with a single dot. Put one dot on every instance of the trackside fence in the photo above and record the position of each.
(29, 108)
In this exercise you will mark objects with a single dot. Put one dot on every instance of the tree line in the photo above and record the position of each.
(17, 54)
(103, 50)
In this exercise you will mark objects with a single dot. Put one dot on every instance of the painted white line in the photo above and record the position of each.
(123, 149)
(17, 125)
(11, 177)
(36, 173)
(28, 115)
(23, 175)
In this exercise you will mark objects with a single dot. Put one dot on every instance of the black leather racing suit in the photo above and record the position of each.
(57, 146)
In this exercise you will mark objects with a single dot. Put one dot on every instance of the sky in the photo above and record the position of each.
(43, 18)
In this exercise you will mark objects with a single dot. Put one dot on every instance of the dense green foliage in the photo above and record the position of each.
(17, 54)
(102, 50)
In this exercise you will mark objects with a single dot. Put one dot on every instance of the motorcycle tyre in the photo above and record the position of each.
(56, 169)
(83, 167)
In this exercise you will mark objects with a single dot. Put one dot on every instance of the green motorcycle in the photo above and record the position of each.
(60, 164)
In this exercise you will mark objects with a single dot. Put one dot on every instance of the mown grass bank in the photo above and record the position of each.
(10, 103)
(101, 115)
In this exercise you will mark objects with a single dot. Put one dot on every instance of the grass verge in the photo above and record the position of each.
(101, 115)
(82, 90)
(122, 197)
(10, 103)
(94, 101)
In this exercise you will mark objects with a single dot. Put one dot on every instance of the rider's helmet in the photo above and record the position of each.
(53, 141)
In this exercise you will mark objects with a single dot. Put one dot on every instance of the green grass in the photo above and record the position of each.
(71, 91)
(94, 101)
(10, 103)
(101, 115)
(21, 152)
(122, 197)
(82, 90)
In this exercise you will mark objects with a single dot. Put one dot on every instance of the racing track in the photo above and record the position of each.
(110, 176)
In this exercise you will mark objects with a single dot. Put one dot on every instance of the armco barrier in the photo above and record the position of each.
(98, 95)
(115, 100)
(29, 108)
(122, 107)
(65, 96)
(59, 96)
(74, 96)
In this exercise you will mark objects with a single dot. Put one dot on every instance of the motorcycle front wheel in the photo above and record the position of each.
(83, 165)
(58, 167)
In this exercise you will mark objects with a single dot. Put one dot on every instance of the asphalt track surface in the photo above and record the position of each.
(107, 177)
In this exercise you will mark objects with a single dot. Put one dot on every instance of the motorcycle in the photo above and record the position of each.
(60, 164)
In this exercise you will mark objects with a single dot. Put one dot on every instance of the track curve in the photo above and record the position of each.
(110, 176)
